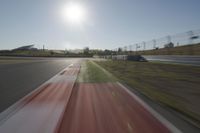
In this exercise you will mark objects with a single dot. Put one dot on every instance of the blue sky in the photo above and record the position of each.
(109, 23)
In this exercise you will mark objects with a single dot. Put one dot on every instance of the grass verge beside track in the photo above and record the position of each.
(176, 86)
(91, 73)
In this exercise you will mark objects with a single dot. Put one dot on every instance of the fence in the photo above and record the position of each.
(186, 38)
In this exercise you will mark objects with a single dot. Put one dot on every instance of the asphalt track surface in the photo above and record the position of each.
(20, 76)
(59, 105)
(181, 59)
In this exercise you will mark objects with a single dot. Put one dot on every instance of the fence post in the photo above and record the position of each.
(130, 49)
(169, 40)
(190, 35)
(136, 48)
(154, 43)
(144, 46)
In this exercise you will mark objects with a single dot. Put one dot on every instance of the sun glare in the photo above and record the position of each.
(74, 13)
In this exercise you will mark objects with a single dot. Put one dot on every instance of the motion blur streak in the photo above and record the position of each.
(43, 112)
(107, 108)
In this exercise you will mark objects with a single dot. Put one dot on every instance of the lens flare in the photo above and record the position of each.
(74, 12)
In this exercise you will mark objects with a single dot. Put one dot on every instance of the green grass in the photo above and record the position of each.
(92, 73)
(176, 86)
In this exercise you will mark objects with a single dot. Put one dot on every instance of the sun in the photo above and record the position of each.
(74, 13)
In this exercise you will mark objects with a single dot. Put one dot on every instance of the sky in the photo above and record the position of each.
(107, 24)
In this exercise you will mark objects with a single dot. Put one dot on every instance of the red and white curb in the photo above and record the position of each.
(42, 110)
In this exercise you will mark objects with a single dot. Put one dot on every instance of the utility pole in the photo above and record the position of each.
(169, 40)
(144, 45)
(154, 44)
(43, 47)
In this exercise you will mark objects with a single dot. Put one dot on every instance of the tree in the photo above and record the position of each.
(86, 50)
(169, 45)
(119, 50)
